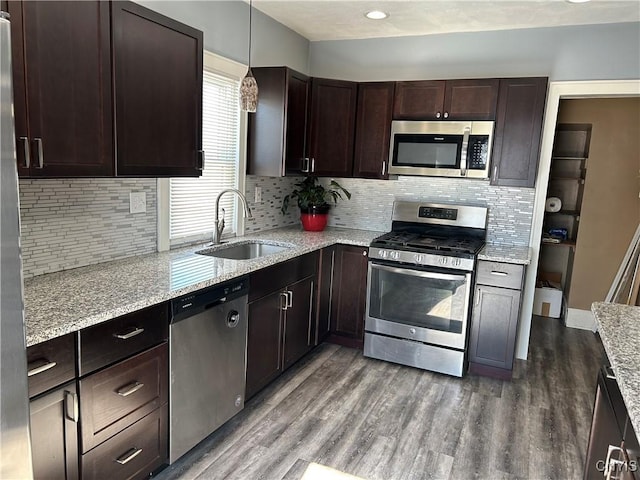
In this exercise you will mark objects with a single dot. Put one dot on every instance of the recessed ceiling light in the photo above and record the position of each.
(578, 1)
(376, 15)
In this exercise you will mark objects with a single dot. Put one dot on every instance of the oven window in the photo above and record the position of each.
(434, 151)
(437, 302)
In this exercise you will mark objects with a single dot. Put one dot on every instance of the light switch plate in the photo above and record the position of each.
(137, 202)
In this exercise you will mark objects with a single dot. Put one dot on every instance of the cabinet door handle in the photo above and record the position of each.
(305, 165)
(364, 253)
(289, 299)
(39, 366)
(71, 406)
(313, 164)
(200, 160)
(384, 168)
(478, 297)
(129, 455)
(609, 461)
(129, 389)
(310, 314)
(284, 300)
(40, 152)
(27, 155)
(495, 172)
(499, 274)
(124, 336)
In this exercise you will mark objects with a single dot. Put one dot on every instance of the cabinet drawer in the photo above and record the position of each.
(51, 363)
(118, 396)
(133, 453)
(109, 342)
(270, 279)
(497, 274)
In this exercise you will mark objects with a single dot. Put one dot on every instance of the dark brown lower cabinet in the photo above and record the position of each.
(264, 343)
(323, 292)
(281, 319)
(494, 319)
(348, 295)
(54, 434)
(133, 453)
(613, 444)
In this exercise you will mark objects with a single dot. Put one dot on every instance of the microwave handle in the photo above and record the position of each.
(463, 153)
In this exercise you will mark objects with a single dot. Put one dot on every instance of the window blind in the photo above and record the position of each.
(192, 200)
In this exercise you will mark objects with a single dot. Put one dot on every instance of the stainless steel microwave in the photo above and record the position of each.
(441, 149)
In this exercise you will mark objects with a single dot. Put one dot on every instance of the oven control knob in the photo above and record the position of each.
(394, 255)
(419, 258)
(443, 260)
(412, 331)
(382, 253)
(455, 262)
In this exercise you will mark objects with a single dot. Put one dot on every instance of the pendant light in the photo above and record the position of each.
(248, 86)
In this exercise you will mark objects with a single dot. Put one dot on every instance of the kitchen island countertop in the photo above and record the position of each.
(67, 301)
(619, 329)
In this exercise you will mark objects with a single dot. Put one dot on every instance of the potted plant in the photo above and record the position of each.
(314, 201)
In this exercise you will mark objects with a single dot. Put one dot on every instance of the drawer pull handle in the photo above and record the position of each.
(129, 389)
(500, 274)
(132, 333)
(39, 366)
(129, 455)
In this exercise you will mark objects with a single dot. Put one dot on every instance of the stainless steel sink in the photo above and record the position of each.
(244, 251)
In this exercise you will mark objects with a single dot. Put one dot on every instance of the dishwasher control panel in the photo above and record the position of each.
(208, 297)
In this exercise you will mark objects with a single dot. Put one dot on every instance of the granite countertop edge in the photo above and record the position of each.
(516, 254)
(619, 329)
(64, 302)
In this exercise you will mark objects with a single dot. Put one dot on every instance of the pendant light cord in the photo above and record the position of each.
(250, 15)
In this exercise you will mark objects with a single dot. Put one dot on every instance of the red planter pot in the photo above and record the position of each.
(314, 222)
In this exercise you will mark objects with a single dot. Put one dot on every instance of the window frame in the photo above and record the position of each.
(235, 70)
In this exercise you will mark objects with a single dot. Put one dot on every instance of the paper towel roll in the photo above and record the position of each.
(553, 204)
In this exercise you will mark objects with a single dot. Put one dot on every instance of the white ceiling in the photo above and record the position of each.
(340, 20)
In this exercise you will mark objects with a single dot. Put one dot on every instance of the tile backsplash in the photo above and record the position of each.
(68, 223)
(370, 207)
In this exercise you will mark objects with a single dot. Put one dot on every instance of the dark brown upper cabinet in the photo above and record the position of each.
(277, 130)
(331, 127)
(157, 66)
(446, 100)
(62, 88)
(516, 144)
(373, 129)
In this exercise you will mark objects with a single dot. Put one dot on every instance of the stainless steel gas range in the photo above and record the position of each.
(420, 283)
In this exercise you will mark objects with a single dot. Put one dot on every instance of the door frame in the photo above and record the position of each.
(557, 92)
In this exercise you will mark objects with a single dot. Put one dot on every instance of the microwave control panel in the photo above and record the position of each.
(477, 152)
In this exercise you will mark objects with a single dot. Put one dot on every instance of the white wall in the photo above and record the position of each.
(226, 32)
(564, 53)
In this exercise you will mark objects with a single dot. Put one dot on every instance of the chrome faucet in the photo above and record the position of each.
(219, 222)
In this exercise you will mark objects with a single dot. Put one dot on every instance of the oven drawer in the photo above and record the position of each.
(497, 274)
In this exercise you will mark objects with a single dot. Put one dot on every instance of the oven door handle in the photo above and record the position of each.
(420, 273)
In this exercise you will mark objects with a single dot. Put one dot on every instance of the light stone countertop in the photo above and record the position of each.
(505, 254)
(67, 301)
(619, 329)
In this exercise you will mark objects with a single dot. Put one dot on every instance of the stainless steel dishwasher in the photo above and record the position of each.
(207, 355)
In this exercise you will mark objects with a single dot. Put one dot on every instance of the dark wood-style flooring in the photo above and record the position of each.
(379, 420)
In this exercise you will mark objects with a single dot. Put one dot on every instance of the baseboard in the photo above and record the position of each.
(582, 319)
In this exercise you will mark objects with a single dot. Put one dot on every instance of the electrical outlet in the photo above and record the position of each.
(137, 202)
(258, 195)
